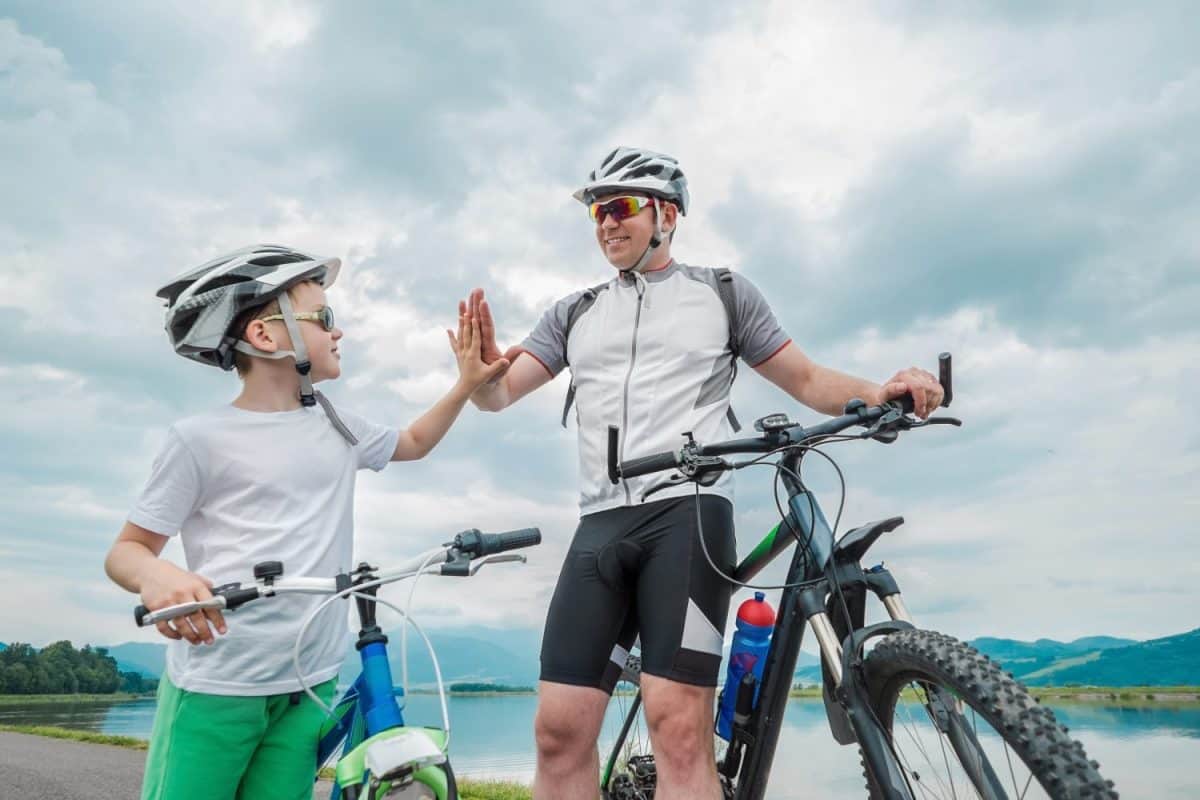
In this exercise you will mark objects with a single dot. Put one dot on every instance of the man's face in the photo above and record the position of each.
(624, 241)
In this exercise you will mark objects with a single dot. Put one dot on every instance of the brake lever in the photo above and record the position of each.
(499, 558)
(688, 474)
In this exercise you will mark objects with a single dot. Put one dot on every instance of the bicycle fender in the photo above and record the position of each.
(352, 769)
(840, 726)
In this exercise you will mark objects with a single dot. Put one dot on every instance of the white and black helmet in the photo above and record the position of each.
(636, 169)
(203, 303)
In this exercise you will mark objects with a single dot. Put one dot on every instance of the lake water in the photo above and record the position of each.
(1147, 752)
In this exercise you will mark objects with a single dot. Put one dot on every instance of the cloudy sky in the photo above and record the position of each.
(1015, 183)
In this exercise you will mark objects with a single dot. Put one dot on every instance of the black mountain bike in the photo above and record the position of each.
(932, 717)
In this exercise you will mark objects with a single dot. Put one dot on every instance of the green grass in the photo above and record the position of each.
(1060, 665)
(33, 699)
(77, 736)
(492, 790)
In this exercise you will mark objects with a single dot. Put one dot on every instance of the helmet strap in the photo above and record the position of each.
(656, 240)
(308, 395)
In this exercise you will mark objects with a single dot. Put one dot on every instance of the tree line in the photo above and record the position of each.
(59, 668)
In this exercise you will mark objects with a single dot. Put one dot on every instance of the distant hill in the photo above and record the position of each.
(466, 654)
(1169, 661)
(146, 658)
(483, 655)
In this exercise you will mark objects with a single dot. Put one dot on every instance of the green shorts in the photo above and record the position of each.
(220, 747)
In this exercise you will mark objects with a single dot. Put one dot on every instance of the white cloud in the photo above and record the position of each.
(1078, 461)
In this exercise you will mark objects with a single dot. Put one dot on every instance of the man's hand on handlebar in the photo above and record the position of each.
(924, 387)
(168, 585)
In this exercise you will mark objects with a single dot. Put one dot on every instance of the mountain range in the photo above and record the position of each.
(510, 656)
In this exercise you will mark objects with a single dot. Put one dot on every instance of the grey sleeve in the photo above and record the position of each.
(547, 342)
(759, 334)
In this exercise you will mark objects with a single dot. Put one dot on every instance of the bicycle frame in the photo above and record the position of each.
(801, 605)
(369, 707)
(841, 635)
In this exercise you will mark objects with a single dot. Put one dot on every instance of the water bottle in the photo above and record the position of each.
(755, 619)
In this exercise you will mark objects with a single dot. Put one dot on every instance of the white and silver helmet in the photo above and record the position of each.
(204, 303)
(637, 170)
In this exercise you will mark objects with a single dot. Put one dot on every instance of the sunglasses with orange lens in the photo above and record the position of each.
(619, 207)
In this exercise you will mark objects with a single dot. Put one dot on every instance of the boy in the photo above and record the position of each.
(269, 477)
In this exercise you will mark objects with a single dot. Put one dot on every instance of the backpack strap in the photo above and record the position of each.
(574, 312)
(726, 293)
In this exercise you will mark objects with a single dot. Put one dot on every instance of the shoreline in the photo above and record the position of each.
(1118, 695)
(1146, 696)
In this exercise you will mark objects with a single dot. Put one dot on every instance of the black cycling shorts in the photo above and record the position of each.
(639, 570)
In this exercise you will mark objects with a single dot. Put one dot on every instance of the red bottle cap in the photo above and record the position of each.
(757, 611)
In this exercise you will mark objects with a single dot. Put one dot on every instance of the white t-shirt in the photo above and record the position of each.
(241, 487)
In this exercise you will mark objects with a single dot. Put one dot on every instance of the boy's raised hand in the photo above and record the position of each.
(468, 345)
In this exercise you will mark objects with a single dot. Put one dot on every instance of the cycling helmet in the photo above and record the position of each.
(203, 304)
(635, 169)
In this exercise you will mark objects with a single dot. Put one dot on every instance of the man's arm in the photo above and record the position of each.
(525, 375)
(827, 390)
(820, 388)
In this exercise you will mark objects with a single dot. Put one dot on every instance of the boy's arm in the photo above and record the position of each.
(424, 434)
(133, 563)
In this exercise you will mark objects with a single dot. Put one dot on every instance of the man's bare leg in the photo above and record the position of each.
(566, 728)
(680, 718)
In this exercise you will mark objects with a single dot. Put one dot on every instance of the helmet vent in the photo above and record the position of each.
(621, 163)
(275, 260)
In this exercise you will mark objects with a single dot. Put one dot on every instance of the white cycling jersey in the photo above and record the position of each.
(652, 356)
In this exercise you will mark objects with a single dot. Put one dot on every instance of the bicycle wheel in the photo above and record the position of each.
(962, 727)
(629, 771)
(633, 775)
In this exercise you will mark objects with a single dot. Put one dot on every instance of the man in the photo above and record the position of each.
(652, 352)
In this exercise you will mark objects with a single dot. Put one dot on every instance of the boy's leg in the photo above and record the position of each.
(200, 744)
(285, 763)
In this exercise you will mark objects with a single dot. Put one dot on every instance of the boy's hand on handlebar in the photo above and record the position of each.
(168, 585)
(923, 386)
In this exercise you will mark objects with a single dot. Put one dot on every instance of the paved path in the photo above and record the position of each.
(38, 766)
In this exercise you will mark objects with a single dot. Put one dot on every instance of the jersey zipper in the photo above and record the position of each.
(640, 286)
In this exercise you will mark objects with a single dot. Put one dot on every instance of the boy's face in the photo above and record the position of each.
(322, 345)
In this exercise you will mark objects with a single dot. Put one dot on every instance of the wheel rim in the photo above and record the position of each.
(925, 747)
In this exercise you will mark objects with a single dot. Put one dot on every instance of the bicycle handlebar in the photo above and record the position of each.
(694, 458)
(454, 559)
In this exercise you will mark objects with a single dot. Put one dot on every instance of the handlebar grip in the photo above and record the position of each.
(945, 379)
(905, 402)
(476, 544)
(614, 472)
(231, 596)
(647, 464)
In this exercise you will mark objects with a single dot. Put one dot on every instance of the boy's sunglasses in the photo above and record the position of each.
(619, 207)
(324, 316)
